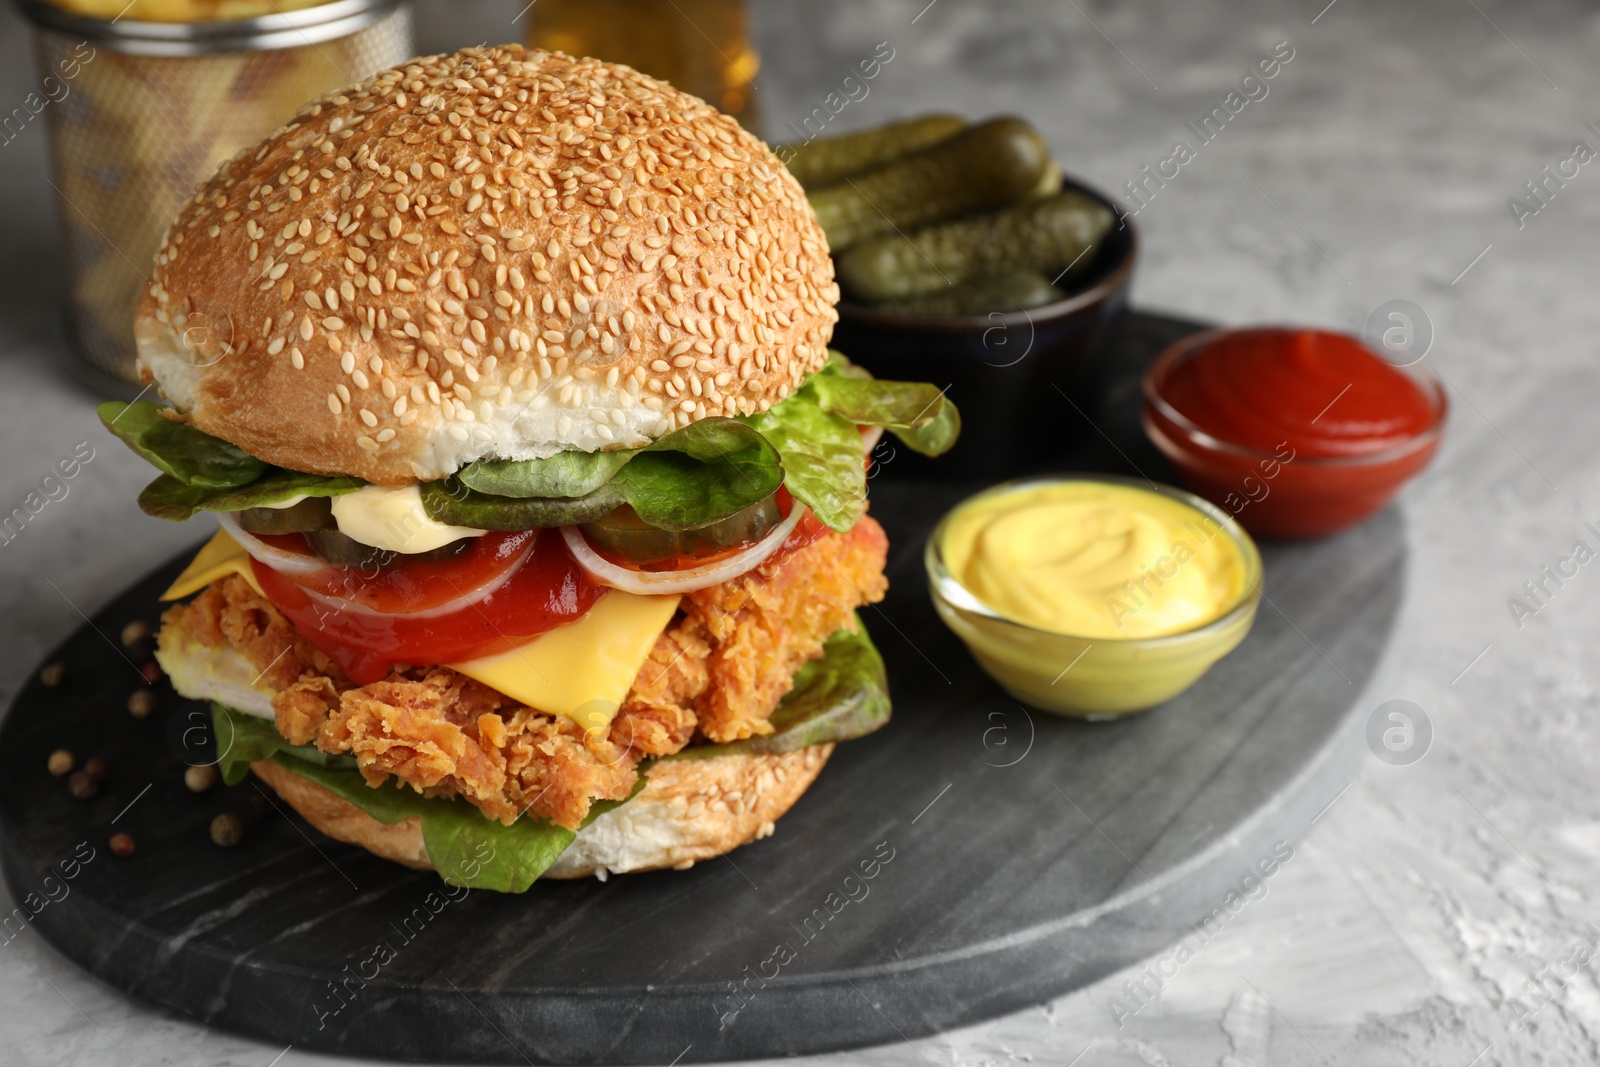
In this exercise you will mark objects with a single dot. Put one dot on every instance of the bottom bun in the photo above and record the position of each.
(690, 809)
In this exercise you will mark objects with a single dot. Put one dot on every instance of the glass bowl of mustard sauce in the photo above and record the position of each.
(1093, 596)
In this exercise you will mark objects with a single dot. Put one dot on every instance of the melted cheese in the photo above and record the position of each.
(220, 557)
(391, 518)
(584, 668)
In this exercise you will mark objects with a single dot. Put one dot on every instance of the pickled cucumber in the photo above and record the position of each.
(1044, 235)
(831, 159)
(1049, 183)
(984, 167)
(1006, 290)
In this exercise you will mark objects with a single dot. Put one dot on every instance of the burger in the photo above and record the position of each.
(542, 499)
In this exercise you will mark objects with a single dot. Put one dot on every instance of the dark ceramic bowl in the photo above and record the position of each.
(1003, 369)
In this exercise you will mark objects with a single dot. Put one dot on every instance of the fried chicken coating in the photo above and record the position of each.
(715, 674)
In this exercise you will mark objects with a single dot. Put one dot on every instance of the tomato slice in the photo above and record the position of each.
(415, 585)
(548, 589)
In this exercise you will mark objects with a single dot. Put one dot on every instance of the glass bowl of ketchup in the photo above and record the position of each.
(1294, 432)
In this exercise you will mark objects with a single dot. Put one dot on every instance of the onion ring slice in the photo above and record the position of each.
(665, 583)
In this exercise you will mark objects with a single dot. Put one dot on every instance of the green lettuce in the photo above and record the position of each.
(168, 498)
(243, 739)
(915, 412)
(840, 696)
(451, 502)
(190, 456)
(205, 473)
(692, 477)
(814, 430)
(822, 461)
(464, 846)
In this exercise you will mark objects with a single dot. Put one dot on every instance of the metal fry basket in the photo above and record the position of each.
(140, 113)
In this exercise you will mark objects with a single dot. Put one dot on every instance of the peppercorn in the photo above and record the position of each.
(121, 845)
(141, 703)
(83, 785)
(52, 674)
(60, 763)
(97, 768)
(227, 829)
(199, 779)
(134, 632)
(151, 672)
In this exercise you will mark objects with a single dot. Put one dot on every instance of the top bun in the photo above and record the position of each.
(496, 253)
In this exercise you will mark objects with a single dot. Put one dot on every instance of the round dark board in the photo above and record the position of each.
(1014, 855)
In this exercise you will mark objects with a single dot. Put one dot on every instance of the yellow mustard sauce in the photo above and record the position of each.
(1095, 559)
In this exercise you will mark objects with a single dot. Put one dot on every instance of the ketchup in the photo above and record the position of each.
(547, 589)
(1324, 394)
(1296, 433)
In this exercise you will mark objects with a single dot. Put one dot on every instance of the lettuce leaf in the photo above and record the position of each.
(840, 696)
(242, 739)
(451, 502)
(916, 412)
(192, 457)
(814, 430)
(692, 477)
(205, 473)
(466, 848)
(168, 498)
(822, 458)
(565, 474)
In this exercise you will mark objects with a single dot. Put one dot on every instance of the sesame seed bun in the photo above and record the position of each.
(496, 253)
(689, 810)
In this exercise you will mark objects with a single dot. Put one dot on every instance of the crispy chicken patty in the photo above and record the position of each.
(715, 674)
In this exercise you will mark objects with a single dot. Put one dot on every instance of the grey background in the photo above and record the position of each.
(1409, 927)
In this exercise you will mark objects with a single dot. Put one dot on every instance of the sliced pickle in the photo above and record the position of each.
(312, 513)
(343, 550)
(623, 533)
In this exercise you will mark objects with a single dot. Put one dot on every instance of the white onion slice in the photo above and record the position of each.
(295, 563)
(276, 558)
(666, 583)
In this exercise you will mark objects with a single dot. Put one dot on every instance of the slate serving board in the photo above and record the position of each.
(1013, 855)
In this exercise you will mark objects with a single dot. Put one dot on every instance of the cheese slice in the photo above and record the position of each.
(584, 668)
(220, 557)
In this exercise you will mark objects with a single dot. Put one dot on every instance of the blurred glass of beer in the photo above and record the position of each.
(700, 46)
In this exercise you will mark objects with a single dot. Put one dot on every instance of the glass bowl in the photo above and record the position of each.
(1092, 677)
(1284, 494)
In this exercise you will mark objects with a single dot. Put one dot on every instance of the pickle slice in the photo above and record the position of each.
(343, 550)
(313, 513)
(623, 533)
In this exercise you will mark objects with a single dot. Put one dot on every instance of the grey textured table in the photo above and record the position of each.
(1441, 912)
